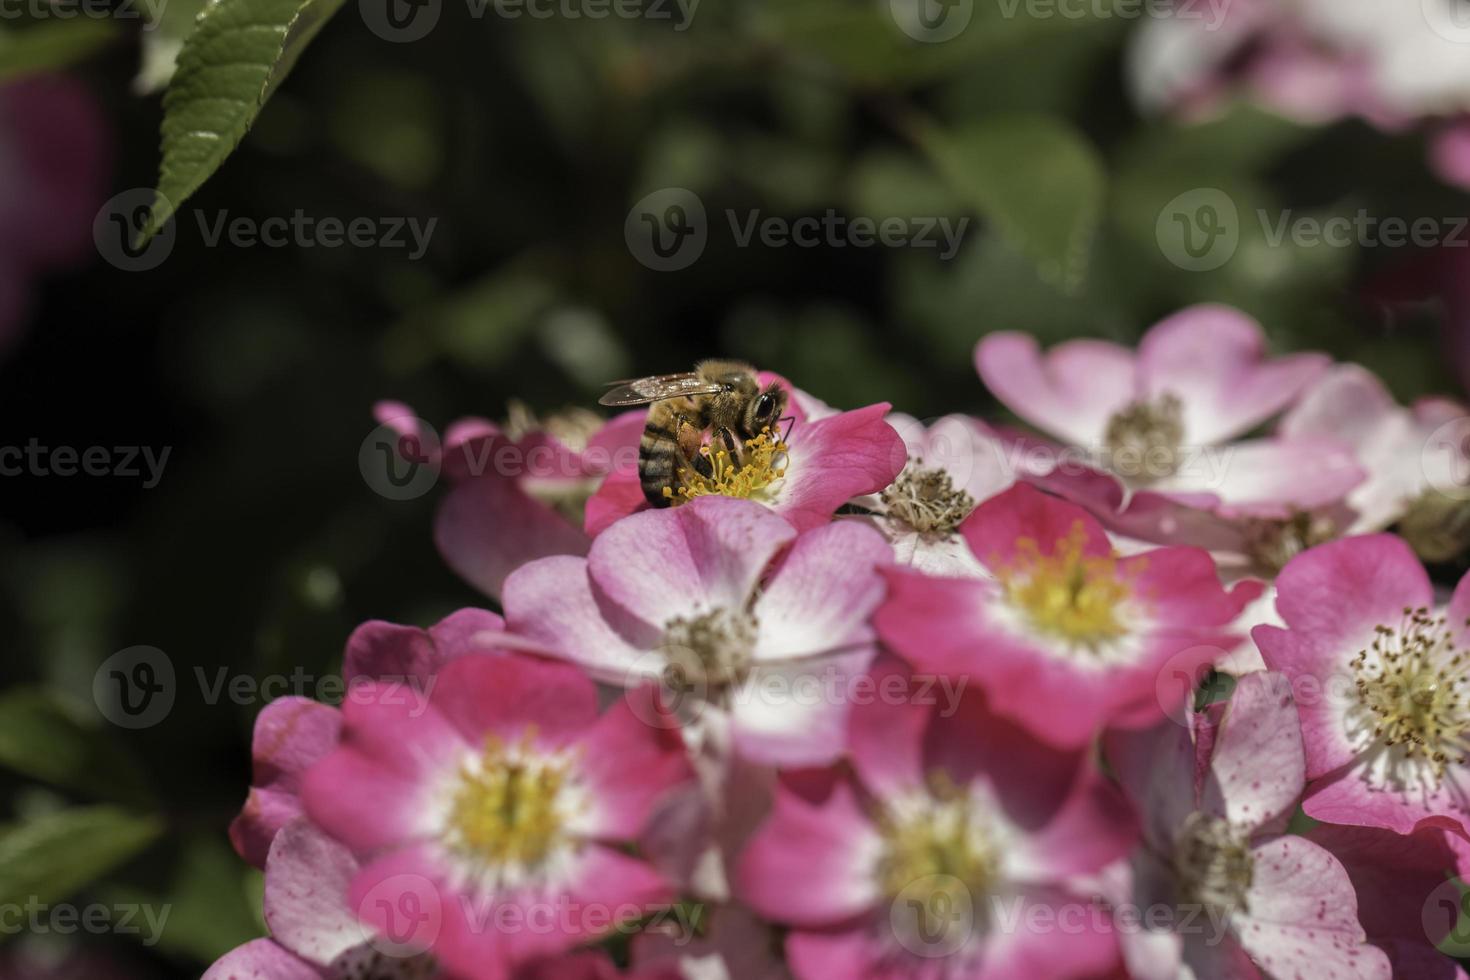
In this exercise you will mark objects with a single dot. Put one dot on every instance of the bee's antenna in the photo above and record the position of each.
(790, 420)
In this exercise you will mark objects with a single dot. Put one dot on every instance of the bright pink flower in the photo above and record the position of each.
(491, 819)
(1165, 420)
(934, 858)
(1067, 636)
(1409, 892)
(292, 733)
(1392, 443)
(698, 590)
(831, 458)
(54, 164)
(517, 492)
(1245, 900)
(1380, 679)
(314, 935)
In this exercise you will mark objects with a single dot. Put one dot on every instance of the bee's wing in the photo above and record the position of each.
(641, 391)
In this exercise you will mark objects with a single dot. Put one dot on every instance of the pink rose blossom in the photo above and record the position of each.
(517, 492)
(831, 457)
(1167, 420)
(1067, 636)
(498, 812)
(726, 595)
(932, 858)
(1379, 672)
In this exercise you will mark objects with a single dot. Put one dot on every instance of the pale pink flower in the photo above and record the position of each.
(1067, 636)
(1380, 677)
(499, 813)
(754, 622)
(1245, 900)
(934, 855)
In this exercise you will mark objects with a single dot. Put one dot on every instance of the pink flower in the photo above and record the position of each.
(1165, 420)
(1246, 900)
(1409, 892)
(829, 460)
(292, 733)
(517, 492)
(1380, 678)
(1068, 636)
(933, 858)
(53, 176)
(491, 822)
(314, 934)
(1405, 465)
(698, 591)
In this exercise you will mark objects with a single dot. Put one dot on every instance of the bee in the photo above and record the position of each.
(719, 399)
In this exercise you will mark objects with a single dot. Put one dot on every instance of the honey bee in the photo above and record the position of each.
(719, 399)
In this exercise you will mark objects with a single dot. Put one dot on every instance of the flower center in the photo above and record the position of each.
(760, 462)
(1143, 438)
(1271, 544)
(1437, 526)
(927, 500)
(1068, 594)
(1212, 863)
(1412, 679)
(508, 810)
(710, 651)
(572, 427)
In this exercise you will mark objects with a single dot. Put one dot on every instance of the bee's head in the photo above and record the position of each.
(765, 409)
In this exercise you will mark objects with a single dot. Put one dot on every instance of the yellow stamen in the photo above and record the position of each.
(505, 809)
(1068, 593)
(765, 463)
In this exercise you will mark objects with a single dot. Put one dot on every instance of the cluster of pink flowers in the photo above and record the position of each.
(1146, 691)
(1395, 65)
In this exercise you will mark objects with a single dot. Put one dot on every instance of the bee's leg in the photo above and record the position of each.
(690, 438)
(727, 441)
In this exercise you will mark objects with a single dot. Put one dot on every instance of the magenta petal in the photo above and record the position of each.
(510, 695)
(621, 494)
(630, 766)
(1337, 592)
(1213, 358)
(550, 603)
(379, 650)
(832, 844)
(262, 959)
(1156, 768)
(708, 553)
(835, 459)
(488, 526)
(1268, 477)
(794, 714)
(291, 733)
(1070, 392)
(1257, 769)
(998, 526)
(306, 883)
(820, 597)
(887, 734)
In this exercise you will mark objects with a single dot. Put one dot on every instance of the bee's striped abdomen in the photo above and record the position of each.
(658, 453)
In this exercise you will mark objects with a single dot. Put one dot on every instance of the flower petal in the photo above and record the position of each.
(1071, 391)
(291, 733)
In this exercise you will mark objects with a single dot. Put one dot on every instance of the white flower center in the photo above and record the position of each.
(927, 500)
(711, 650)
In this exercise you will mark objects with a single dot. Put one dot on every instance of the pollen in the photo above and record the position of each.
(711, 650)
(508, 808)
(1143, 439)
(761, 462)
(1212, 863)
(927, 500)
(1068, 594)
(938, 841)
(1412, 679)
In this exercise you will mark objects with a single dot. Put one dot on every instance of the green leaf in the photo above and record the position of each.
(1036, 178)
(51, 857)
(239, 51)
(42, 738)
(162, 40)
(51, 45)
